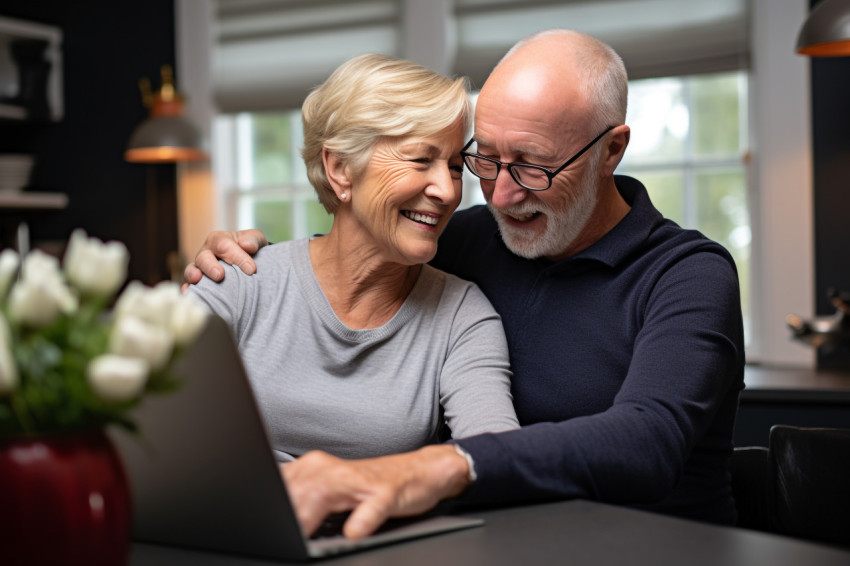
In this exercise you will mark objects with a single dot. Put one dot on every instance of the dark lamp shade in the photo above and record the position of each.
(165, 139)
(826, 32)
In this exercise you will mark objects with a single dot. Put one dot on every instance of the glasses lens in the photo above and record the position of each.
(530, 177)
(481, 167)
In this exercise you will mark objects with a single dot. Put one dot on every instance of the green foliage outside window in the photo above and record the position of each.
(716, 113)
(274, 219)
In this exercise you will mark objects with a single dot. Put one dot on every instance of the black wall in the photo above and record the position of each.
(107, 47)
(830, 78)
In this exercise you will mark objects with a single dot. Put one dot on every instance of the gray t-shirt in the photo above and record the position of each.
(368, 392)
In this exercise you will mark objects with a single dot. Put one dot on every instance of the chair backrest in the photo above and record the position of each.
(809, 475)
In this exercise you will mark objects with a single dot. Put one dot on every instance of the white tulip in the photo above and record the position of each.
(95, 268)
(135, 338)
(8, 369)
(116, 378)
(38, 265)
(41, 295)
(128, 302)
(188, 318)
(9, 261)
(151, 304)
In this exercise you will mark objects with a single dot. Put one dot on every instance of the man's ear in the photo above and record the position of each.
(616, 147)
(338, 172)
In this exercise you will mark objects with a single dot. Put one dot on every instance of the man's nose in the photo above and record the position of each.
(506, 191)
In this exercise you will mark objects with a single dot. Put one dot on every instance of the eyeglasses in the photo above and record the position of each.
(531, 177)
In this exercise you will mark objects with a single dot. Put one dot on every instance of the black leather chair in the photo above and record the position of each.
(810, 483)
(798, 486)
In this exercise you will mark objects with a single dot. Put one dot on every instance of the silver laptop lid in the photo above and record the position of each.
(202, 472)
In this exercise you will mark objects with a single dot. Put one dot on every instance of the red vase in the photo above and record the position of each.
(64, 499)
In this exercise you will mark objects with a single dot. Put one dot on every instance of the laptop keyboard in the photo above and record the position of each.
(331, 527)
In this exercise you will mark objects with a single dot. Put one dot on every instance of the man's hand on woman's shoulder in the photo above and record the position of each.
(235, 248)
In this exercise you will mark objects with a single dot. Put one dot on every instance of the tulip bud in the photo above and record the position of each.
(116, 378)
(128, 302)
(95, 268)
(151, 304)
(41, 295)
(188, 318)
(132, 337)
(9, 261)
(8, 369)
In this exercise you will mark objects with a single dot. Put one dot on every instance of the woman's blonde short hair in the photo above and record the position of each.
(371, 97)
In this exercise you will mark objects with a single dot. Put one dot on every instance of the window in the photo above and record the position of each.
(689, 146)
(265, 180)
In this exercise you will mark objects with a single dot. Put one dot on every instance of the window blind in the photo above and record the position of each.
(268, 54)
(655, 38)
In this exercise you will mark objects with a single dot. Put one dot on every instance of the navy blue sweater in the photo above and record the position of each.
(628, 360)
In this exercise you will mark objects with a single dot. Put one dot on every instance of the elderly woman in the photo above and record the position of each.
(352, 343)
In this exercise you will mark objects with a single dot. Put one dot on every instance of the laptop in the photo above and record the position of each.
(203, 474)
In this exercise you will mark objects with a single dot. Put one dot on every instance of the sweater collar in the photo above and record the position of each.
(631, 232)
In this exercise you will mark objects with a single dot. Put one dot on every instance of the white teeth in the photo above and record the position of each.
(416, 217)
(521, 217)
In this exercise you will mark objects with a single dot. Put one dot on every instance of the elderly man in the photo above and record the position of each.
(624, 329)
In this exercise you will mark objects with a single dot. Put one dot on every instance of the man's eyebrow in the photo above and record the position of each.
(524, 152)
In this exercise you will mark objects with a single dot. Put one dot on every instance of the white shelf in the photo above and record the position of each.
(32, 200)
(12, 111)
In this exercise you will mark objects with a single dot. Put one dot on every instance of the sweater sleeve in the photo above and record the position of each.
(685, 364)
(226, 298)
(475, 387)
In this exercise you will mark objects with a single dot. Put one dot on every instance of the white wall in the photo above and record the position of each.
(782, 173)
(198, 202)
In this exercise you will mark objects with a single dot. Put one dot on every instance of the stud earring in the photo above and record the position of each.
(343, 196)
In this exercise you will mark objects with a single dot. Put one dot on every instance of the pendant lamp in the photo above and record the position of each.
(166, 136)
(826, 32)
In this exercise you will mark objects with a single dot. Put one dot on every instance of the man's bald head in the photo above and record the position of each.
(564, 71)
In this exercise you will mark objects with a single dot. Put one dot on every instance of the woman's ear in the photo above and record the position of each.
(337, 172)
(616, 148)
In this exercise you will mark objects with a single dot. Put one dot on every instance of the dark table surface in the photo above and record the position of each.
(771, 383)
(572, 532)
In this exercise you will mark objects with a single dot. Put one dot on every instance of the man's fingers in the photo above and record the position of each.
(191, 275)
(233, 248)
(229, 250)
(206, 262)
(251, 240)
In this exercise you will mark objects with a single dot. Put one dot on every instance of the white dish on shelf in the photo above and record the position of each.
(15, 169)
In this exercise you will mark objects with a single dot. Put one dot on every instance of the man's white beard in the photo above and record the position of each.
(562, 226)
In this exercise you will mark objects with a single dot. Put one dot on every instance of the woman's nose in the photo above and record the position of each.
(444, 187)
